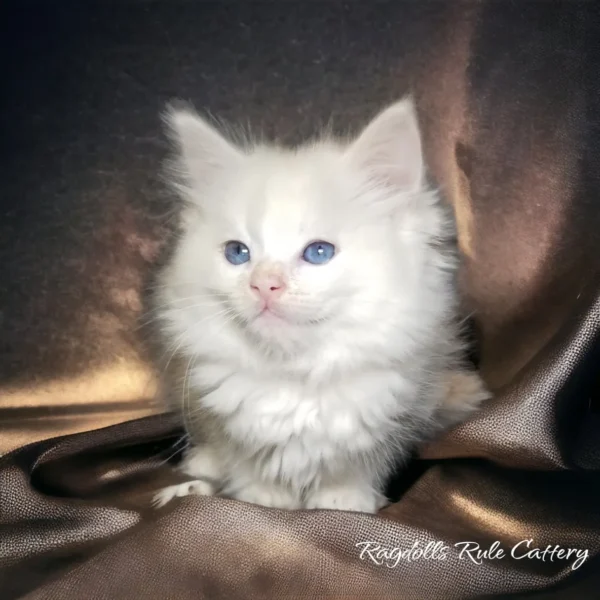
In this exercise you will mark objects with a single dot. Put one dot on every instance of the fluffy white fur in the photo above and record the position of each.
(311, 404)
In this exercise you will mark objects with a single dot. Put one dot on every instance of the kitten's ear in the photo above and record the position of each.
(389, 147)
(203, 151)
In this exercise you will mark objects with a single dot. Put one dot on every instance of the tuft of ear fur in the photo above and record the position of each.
(203, 152)
(389, 148)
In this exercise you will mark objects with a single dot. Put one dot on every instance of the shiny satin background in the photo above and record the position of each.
(507, 94)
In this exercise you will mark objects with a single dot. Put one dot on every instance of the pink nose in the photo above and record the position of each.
(268, 287)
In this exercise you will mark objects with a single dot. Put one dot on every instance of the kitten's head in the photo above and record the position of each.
(289, 245)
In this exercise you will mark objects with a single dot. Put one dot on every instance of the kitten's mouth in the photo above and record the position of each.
(267, 314)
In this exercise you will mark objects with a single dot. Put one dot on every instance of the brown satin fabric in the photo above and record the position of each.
(508, 99)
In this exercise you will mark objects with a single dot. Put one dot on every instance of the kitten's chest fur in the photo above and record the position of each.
(299, 417)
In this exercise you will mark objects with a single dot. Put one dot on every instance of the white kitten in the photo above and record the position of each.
(311, 303)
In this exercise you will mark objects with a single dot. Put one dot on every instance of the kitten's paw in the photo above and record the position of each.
(348, 498)
(189, 488)
(267, 495)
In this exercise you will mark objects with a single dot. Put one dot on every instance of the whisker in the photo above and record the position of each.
(183, 448)
(154, 317)
(186, 395)
(170, 285)
(175, 346)
(177, 301)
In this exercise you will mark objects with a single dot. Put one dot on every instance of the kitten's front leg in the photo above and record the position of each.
(357, 495)
(243, 485)
(267, 494)
(201, 463)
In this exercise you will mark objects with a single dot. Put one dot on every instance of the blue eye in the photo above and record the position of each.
(318, 253)
(236, 252)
